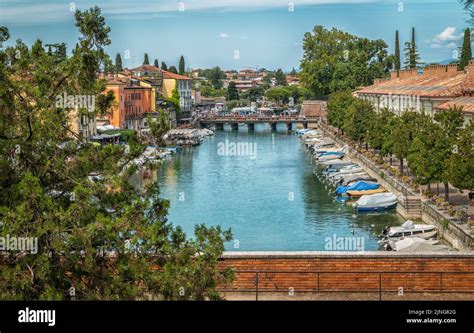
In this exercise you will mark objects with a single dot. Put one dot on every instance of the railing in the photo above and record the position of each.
(378, 288)
(258, 118)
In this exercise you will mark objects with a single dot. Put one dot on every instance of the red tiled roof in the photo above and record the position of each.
(466, 102)
(422, 85)
(145, 68)
(169, 75)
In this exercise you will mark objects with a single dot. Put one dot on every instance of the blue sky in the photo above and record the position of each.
(266, 33)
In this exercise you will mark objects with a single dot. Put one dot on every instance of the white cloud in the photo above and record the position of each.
(223, 35)
(448, 35)
(446, 39)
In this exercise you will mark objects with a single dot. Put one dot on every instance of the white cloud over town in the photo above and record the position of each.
(446, 39)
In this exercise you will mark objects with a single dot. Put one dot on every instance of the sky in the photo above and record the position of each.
(236, 34)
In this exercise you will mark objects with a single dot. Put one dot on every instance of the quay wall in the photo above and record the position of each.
(349, 272)
(458, 236)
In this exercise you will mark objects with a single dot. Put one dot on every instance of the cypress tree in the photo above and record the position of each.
(156, 63)
(182, 66)
(118, 63)
(145, 60)
(163, 66)
(397, 52)
(466, 51)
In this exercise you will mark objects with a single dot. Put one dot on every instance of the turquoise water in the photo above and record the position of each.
(270, 197)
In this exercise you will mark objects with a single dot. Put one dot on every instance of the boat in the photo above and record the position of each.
(350, 169)
(416, 245)
(335, 168)
(376, 202)
(347, 181)
(357, 194)
(409, 229)
(358, 186)
(328, 150)
(329, 156)
(336, 163)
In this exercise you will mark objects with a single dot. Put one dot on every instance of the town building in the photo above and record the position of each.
(431, 90)
(82, 124)
(314, 108)
(244, 85)
(182, 83)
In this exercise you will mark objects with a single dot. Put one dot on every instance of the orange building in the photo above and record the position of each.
(132, 102)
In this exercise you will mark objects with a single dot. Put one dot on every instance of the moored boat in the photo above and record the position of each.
(358, 194)
(376, 202)
(409, 229)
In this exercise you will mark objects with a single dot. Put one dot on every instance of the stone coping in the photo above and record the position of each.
(340, 254)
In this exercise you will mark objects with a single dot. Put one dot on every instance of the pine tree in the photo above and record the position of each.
(145, 60)
(397, 52)
(182, 66)
(118, 63)
(412, 57)
(466, 51)
(173, 69)
(232, 92)
(156, 63)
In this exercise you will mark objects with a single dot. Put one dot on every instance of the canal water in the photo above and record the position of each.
(261, 185)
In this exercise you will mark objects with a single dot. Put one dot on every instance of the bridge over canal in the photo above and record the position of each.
(250, 121)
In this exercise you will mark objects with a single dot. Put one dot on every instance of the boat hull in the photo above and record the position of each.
(376, 208)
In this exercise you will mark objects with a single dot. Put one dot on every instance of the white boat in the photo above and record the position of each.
(376, 202)
(416, 245)
(328, 150)
(336, 176)
(350, 169)
(409, 229)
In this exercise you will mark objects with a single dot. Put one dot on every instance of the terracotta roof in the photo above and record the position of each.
(145, 68)
(466, 102)
(422, 85)
(169, 75)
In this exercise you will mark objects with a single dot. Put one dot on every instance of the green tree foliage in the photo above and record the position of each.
(173, 69)
(460, 165)
(255, 93)
(403, 133)
(412, 56)
(159, 127)
(338, 104)
(118, 63)
(215, 76)
(146, 61)
(164, 66)
(334, 60)
(280, 78)
(156, 63)
(104, 238)
(58, 51)
(426, 155)
(232, 92)
(182, 66)
(466, 51)
(397, 52)
(357, 120)
(278, 95)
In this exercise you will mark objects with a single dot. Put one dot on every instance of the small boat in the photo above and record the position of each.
(409, 229)
(347, 181)
(329, 156)
(336, 163)
(358, 186)
(350, 169)
(357, 194)
(376, 202)
(416, 245)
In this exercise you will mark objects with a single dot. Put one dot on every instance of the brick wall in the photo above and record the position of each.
(350, 271)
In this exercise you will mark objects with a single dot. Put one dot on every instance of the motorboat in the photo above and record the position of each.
(329, 156)
(337, 177)
(358, 194)
(409, 229)
(355, 178)
(350, 169)
(416, 245)
(376, 202)
(358, 186)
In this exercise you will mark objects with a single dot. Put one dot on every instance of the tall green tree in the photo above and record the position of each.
(173, 69)
(232, 92)
(357, 120)
(156, 63)
(466, 51)
(164, 66)
(335, 60)
(146, 61)
(215, 76)
(118, 63)
(403, 133)
(182, 66)
(280, 78)
(451, 123)
(97, 239)
(412, 56)
(397, 52)
(338, 104)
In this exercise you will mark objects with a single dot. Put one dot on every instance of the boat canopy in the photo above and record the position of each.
(379, 199)
(358, 186)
